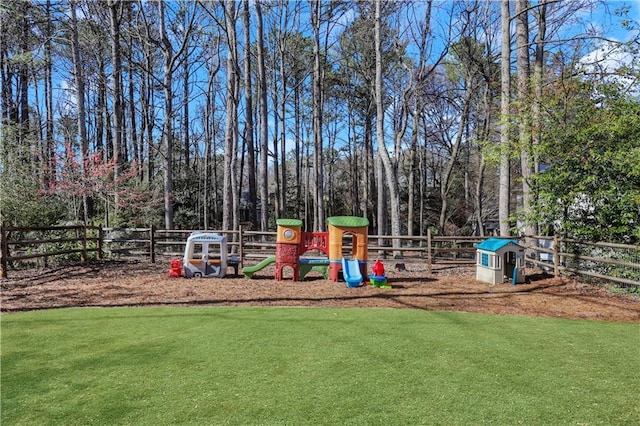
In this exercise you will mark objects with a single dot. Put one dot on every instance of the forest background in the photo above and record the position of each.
(465, 117)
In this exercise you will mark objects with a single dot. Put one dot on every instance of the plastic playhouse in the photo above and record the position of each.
(205, 255)
(292, 243)
(500, 260)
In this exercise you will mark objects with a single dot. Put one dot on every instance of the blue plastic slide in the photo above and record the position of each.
(351, 272)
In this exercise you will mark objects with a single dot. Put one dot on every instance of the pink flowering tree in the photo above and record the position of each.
(94, 179)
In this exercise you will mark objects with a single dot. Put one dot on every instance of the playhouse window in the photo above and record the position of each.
(197, 251)
(484, 260)
(213, 251)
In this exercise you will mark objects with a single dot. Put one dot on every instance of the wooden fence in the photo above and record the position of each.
(618, 263)
(27, 243)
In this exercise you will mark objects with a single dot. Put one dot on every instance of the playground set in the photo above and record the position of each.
(292, 243)
(205, 254)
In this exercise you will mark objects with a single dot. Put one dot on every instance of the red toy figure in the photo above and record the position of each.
(175, 270)
(378, 269)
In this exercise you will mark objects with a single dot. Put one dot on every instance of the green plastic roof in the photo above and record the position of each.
(348, 221)
(495, 244)
(289, 222)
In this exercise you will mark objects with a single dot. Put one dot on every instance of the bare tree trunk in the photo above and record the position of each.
(282, 187)
(318, 158)
(208, 136)
(167, 128)
(505, 164)
(298, 148)
(412, 174)
(381, 200)
(48, 94)
(445, 180)
(101, 111)
(144, 127)
(524, 116)
(249, 128)
(115, 14)
(136, 142)
(275, 151)
(185, 122)
(229, 199)
(81, 116)
(23, 80)
(390, 169)
(484, 136)
(6, 77)
(538, 76)
(209, 153)
(370, 186)
(168, 65)
(354, 162)
(264, 130)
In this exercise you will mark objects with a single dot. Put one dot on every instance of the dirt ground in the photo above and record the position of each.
(120, 283)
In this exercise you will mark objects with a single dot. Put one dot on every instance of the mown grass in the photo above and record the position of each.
(274, 366)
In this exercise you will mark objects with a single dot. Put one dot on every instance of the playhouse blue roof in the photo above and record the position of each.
(495, 244)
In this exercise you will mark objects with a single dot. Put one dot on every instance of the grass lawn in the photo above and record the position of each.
(274, 366)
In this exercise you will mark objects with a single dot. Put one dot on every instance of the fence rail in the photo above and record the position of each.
(618, 263)
(27, 243)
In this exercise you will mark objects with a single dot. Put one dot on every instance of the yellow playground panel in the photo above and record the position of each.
(355, 226)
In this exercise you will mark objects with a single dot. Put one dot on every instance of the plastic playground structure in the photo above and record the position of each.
(292, 243)
(205, 255)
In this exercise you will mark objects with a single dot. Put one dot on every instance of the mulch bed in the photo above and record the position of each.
(125, 283)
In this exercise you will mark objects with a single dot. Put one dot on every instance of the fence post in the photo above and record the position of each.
(83, 253)
(240, 246)
(4, 250)
(100, 238)
(152, 243)
(556, 255)
(429, 251)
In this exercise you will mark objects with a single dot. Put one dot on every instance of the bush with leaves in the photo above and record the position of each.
(590, 188)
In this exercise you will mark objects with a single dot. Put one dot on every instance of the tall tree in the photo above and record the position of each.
(50, 150)
(249, 127)
(80, 104)
(170, 62)
(524, 109)
(389, 168)
(421, 73)
(264, 129)
(318, 78)
(504, 196)
(115, 15)
(230, 199)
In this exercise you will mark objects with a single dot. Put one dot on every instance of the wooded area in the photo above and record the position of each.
(455, 118)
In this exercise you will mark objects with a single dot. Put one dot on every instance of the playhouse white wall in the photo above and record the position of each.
(495, 273)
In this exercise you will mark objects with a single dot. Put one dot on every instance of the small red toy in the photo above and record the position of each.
(378, 269)
(175, 270)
